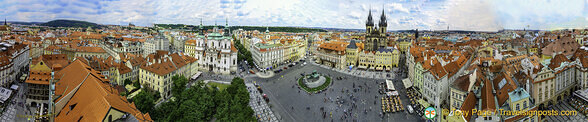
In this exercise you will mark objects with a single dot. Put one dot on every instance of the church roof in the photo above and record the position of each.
(383, 19)
(352, 45)
(370, 22)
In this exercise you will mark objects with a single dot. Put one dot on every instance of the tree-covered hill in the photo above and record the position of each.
(70, 23)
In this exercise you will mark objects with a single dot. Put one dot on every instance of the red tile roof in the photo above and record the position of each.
(557, 60)
(488, 102)
(469, 104)
(437, 70)
(92, 97)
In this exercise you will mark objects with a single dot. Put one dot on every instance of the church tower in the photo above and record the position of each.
(375, 35)
(369, 24)
(201, 27)
(227, 31)
(267, 35)
(383, 24)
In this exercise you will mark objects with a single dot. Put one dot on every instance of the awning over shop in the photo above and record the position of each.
(392, 93)
(390, 85)
(379, 68)
(424, 103)
(362, 67)
(582, 94)
(407, 83)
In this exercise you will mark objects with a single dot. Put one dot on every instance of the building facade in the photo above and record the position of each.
(375, 36)
(332, 54)
(267, 56)
(215, 51)
(158, 42)
(161, 66)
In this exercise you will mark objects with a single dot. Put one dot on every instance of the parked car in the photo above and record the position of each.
(285, 67)
(409, 109)
(290, 65)
(278, 71)
(251, 71)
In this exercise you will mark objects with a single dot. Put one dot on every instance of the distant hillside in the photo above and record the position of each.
(70, 23)
(259, 28)
(25, 23)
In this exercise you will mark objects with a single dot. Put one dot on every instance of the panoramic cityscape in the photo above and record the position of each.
(294, 60)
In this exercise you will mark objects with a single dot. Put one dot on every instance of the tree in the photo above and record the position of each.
(144, 101)
(127, 82)
(179, 85)
(136, 84)
(163, 111)
(202, 104)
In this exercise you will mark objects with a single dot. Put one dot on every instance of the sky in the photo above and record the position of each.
(477, 15)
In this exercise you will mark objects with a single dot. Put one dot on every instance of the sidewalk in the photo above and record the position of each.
(223, 82)
(263, 112)
(361, 73)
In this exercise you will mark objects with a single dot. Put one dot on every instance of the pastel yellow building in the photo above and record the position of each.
(351, 53)
(160, 69)
(380, 60)
(366, 60)
(404, 44)
(190, 47)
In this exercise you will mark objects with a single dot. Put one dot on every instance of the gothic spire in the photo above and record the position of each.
(383, 19)
(370, 22)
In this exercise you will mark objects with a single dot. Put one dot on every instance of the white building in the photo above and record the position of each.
(215, 51)
(14, 58)
(158, 42)
(267, 56)
(6, 73)
(581, 62)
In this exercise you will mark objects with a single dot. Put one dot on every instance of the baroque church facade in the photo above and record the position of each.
(215, 51)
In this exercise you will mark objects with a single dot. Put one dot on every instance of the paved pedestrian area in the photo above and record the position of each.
(349, 98)
(9, 113)
(259, 106)
(361, 73)
(565, 106)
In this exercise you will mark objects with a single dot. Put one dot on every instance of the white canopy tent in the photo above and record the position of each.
(392, 93)
(407, 83)
(390, 85)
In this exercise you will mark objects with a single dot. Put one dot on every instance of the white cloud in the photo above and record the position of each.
(401, 15)
(472, 15)
(396, 7)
